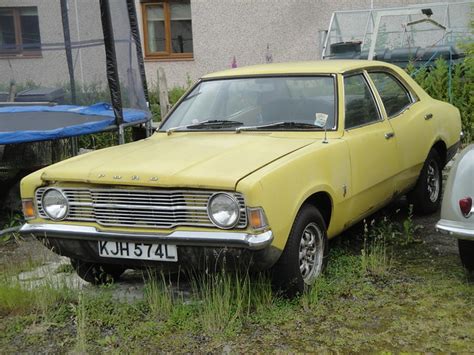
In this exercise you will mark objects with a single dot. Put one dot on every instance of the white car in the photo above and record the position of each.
(457, 211)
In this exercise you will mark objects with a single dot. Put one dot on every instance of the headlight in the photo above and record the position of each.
(55, 204)
(223, 210)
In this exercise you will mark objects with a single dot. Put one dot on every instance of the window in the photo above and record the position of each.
(167, 29)
(19, 31)
(259, 101)
(394, 95)
(360, 107)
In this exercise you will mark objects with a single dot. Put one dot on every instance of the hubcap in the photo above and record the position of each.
(432, 181)
(311, 253)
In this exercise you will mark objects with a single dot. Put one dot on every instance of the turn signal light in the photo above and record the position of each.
(465, 204)
(28, 209)
(257, 219)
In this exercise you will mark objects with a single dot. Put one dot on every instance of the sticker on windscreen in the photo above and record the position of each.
(321, 119)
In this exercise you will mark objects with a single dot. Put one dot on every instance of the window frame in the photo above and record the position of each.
(368, 82)
(168, 53)
(411, 94)
(19, 51)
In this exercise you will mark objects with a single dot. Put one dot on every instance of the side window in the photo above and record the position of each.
(394, 95)
(360, 107)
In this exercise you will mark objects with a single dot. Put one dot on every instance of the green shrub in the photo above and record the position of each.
(455, 85)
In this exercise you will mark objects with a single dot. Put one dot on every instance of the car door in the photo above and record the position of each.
(372, 147)
(411, 121)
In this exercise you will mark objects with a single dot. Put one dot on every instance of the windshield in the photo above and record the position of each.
(275, 103)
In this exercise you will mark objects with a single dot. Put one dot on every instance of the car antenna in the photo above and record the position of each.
(321, 122)
(325, 140)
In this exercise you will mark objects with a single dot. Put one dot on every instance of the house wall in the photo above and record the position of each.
(243, 28)
(222, 29)
(51, 67)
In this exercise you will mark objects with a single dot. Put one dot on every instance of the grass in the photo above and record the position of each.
(379, 293)
(226, 300)
(375, 258)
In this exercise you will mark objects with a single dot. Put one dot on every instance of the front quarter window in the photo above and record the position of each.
(291, 102)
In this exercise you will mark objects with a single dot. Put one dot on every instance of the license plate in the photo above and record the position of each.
(140, 251)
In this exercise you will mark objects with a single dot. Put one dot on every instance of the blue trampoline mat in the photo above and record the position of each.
(21, 124)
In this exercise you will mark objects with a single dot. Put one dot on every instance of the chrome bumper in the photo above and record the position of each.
(208, 239)
(458, 230)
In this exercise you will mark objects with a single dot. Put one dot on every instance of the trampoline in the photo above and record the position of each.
(92, 77)
(39, 123)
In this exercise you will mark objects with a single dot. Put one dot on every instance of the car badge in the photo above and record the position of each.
(154, 178)
(117, 177)
(135, 177)
(100, 176)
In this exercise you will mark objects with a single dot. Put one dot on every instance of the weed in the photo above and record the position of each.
(227, 299)
(410, 229)
(375, 259)
(81, 325)
(159, 296)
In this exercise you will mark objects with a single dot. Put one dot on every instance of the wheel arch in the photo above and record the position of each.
(442, 150)
(322, 200)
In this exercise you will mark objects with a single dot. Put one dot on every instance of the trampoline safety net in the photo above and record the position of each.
(69, 67)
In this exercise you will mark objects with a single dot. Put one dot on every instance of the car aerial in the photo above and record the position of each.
(457, 211)
(256, 167)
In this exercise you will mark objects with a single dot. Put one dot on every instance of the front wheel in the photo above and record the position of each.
(426, 196)
(305, 253)
(466, 252)
(97, 274)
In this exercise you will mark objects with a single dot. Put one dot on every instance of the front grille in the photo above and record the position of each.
(157, 208)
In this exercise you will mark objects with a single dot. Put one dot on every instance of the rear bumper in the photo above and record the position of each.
(456, 229)
(218, 239)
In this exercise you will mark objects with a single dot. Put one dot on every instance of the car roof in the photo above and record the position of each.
(313, 67)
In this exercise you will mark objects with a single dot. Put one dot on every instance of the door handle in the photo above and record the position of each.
(389, 135)
(428, 116)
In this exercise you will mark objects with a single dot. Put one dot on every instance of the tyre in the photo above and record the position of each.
(97, 274)
(305, 253)
(426, 196)
(466, 252)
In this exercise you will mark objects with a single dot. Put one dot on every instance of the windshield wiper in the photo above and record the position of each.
(283, 125)
(206, 124)
(215, 123)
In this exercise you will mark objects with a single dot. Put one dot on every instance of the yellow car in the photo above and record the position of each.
(254, 167)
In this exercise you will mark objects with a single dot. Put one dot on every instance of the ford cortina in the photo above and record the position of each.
(254, 167)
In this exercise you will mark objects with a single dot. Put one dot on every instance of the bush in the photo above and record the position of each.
(454, 85)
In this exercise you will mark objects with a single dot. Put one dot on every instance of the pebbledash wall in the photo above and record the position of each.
(50, 67)
(222, 30)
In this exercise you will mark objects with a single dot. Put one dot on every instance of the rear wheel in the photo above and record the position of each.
(426, 195)
(466, 252)
(304, 256)
(97, 274)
